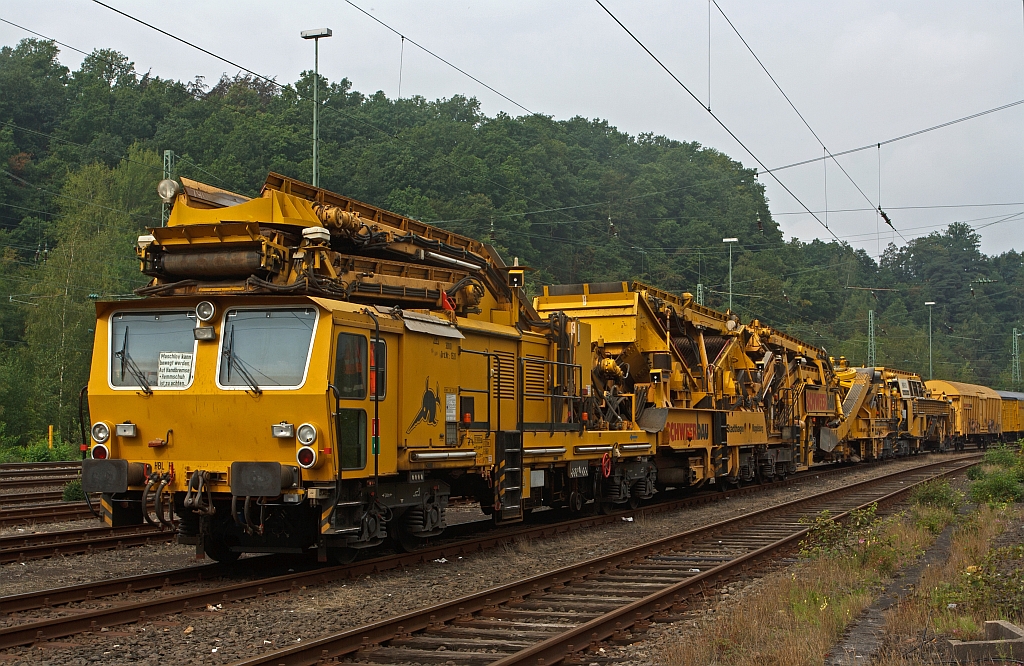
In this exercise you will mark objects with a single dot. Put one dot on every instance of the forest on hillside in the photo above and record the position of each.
(577, 199)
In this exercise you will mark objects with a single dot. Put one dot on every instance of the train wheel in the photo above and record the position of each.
(634, 502)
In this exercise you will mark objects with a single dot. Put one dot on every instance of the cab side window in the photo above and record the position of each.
(350, 367)
(379, 368)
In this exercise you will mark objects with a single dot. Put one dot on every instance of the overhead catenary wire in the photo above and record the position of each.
(84, 201)
(879, 144)
(391, 135)
(429, 52)
(560, 208)
(712, 114)
(112, 153)
(799, 115)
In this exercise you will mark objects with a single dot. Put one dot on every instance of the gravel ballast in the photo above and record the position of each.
(246, 629)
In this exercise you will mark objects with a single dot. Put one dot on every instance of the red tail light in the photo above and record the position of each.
(100, 452)
(306, 457)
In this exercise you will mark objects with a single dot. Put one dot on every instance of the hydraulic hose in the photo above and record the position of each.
(234, 511)
(158, 504)
(145, 499)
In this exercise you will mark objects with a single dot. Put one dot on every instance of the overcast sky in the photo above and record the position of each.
(859, 72)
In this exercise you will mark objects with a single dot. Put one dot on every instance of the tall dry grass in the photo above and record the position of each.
(797, 615)
(929, 613)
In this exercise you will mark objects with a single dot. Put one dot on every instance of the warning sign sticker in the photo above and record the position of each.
(174, 370)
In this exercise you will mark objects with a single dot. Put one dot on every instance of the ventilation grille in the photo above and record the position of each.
(506, 361)
(535, 378)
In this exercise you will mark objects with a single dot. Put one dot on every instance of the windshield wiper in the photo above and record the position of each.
(234, 362)
(128, 363)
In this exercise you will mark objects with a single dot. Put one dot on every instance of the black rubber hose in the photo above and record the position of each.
(158, 504)
(145, 499)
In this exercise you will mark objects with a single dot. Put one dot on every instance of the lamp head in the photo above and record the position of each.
(316, 34)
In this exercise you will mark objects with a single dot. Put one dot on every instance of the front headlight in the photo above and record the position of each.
(100, 432)
(306, 434)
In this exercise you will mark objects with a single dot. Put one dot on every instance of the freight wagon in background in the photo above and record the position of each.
(1013, 415)
(977, 412)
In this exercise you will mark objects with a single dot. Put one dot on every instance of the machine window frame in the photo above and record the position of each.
(380, 385)
(265, 308)
(363, 456)
(364, 359)
(190, 314)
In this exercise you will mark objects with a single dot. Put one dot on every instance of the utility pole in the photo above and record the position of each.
(872, 360)
(931, 375)
(729, 242)
(315, 35)
(1015, 359)
(168, 175)
(700, 294)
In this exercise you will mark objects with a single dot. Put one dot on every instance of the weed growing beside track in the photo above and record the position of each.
(983, 577)
(797, 614)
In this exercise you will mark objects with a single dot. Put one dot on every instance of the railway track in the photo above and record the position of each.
(41, 506)
(44, 513)
(558, 616)
(95, 539)
(21, 548)
(43, 497)
(18, 476)
(179, 601)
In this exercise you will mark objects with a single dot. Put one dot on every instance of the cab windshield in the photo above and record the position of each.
(152, 349)
(265, 348)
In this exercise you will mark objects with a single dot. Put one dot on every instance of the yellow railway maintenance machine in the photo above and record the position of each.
(305, 371)
(719, 399)
(889, 414)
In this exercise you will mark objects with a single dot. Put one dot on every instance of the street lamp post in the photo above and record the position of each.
(931, 375)
(315, 35)
(730, 241)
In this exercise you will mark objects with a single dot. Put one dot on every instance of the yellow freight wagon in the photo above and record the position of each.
(977, 412)
(1013, 415)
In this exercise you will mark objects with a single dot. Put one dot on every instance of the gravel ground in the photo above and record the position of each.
(660, 637)
(246, 629)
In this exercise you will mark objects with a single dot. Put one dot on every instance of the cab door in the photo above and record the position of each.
(366, 412)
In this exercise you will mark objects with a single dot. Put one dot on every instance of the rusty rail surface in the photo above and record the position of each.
(30, 632)
(556, 616)
(39, 545)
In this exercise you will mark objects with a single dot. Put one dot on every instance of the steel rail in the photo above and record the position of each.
(47, 544)
(47, 513)
(36, 470)
(104, 588)
(43, 497)
(45, 481)
(463, 612)
(26, 633)
(21, 548)
(6, 468)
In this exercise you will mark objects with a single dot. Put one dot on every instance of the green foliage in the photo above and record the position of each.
(73, 491)
(1003, 456)
(937, 493)
(994, 586)
(577, 199)
(1000, 477)
(998, 486)
(975, 473)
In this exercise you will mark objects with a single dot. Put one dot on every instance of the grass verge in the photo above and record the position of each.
(796, 615)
